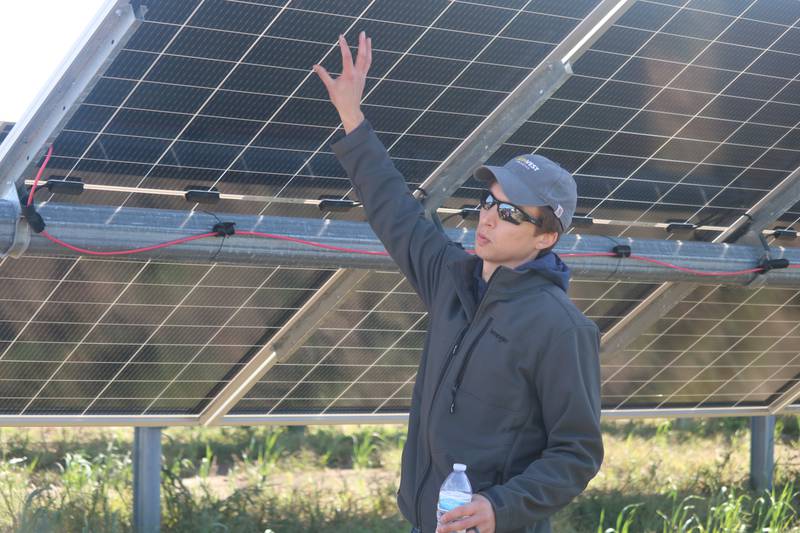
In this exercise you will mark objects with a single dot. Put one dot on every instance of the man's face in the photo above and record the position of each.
(502, 243)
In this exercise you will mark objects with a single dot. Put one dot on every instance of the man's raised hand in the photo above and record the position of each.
(347, 90)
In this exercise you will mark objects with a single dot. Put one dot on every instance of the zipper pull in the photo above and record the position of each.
(453, 399)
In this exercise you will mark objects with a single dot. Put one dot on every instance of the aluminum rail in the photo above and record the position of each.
(85, 227)
(336, 418)
(97, 420)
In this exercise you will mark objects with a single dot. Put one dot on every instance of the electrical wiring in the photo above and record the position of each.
(39, 175)
(309, 243)
(126, 252)
(295, 240)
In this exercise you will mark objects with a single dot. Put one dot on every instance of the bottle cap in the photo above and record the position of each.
(458, 467)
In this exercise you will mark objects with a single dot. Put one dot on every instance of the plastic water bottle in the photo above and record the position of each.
(455, 492)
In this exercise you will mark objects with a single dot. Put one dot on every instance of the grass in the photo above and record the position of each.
(658, 477)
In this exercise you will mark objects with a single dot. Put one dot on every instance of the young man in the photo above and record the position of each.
(509, 380)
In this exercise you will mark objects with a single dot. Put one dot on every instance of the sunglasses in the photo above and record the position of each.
(508, 211)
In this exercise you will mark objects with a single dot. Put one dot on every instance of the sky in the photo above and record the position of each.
(35, 36)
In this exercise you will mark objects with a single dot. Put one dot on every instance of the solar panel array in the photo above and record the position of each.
(681, 111)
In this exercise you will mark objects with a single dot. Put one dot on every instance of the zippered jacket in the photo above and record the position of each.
(509, 386)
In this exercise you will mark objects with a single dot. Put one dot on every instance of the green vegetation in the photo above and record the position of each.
(658, 476)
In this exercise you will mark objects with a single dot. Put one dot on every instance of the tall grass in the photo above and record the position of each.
(658, 477)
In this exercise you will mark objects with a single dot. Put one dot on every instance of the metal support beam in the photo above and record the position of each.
(786, 399)
(683, 412)
(306, 420)
(746, 230)
(71, 82)
(519, 105)
(402, 418)
(284, 343)
(147, 480)
(762, 450)
(85, 226)
(97, 420)
(352, 418)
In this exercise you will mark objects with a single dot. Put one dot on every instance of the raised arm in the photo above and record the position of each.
(419, 249)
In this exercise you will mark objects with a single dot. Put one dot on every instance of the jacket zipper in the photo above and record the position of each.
(436, 390)
(464, 363)
(450, 357)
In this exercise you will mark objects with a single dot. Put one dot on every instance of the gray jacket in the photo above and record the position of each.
(509, 386)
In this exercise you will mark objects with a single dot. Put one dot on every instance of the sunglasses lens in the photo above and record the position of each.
(508, 213)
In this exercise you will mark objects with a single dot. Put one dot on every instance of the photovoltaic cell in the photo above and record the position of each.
(95, 336)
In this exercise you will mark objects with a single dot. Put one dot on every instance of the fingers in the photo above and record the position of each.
(364, 57)
(324, 76)
(459, 525)
(467, 509)
(347, 57)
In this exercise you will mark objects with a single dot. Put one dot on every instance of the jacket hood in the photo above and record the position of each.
(551, 267)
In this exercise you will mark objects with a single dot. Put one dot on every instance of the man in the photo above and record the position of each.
(508, 382)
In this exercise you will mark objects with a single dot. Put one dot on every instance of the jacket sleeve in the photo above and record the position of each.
(414, 243)
(568, 385)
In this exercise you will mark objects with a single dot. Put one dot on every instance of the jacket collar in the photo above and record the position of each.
(506, 283)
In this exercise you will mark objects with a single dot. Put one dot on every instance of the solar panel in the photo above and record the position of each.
(681, 111)
(721, 346)
(93, 336)
(221, 94)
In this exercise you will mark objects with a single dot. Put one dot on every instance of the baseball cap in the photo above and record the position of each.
(534, 180)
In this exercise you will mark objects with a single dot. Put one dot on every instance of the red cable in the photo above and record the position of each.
(126, 252)
(309, 243)
(697, 272)
(670, 265)
(39, 174)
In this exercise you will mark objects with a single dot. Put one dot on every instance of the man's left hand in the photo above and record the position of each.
(478, 514)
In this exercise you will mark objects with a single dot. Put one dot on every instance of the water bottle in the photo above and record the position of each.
(455, 492)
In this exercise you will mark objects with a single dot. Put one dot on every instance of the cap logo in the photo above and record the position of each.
(526, 163)
(559, 211)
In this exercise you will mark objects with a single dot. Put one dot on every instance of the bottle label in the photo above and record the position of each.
(450, 500)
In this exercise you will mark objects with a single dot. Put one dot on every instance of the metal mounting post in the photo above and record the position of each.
(762, 448)
(147, 480)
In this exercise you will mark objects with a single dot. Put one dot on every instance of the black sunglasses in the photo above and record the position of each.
(508, 211)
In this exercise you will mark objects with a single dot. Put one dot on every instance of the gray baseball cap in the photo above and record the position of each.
(534, 180)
